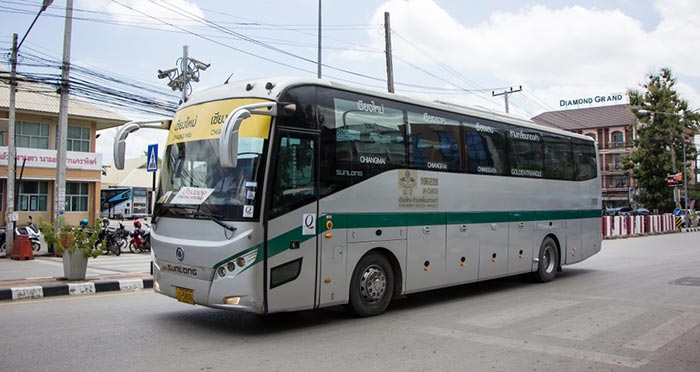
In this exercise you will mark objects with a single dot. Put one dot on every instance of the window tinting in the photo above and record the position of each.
(294, 182)
(585, 159)
(525, 152)
(485, 143)
(305, 114)
(558, 159)
(435, 142)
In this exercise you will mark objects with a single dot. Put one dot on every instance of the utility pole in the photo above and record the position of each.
(60, 187)
(11, 156)
(183, 67)
(505, 94)
(319, 39)
(11, 216)
(389, 64)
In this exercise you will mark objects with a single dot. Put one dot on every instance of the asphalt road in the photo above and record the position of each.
(634, 307)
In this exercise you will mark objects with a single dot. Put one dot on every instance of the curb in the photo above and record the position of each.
(74, 289)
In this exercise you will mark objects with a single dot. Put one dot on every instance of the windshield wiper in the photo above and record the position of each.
(190, 212)
(212, 218)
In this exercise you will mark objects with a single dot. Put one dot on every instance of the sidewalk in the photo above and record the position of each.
(42, 276)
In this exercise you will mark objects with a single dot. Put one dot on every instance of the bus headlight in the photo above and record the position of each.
(235, 300)
(222, 271)
(231, 266)
(240, 261)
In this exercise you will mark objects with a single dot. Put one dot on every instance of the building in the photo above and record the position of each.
(35, 138)
(610, 127)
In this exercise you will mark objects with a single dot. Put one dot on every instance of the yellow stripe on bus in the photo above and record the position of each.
(204, 121)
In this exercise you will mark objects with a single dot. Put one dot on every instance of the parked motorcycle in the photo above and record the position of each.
(122, 236)
(35, 236)
(110, 239)
(140, 238)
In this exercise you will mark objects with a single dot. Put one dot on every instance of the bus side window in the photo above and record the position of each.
(295, 179)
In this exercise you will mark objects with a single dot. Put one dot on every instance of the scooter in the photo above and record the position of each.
(35, 236)
(122, 236)
(140, 240)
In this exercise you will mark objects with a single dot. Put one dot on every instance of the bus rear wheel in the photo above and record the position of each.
(548, 261)
(371, 286)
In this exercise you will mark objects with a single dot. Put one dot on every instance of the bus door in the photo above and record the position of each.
(292, 245)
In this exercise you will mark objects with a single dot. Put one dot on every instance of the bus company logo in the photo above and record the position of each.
(372, 160)
(180, 254)
(348, 173)
(408, 179)
(177, 269)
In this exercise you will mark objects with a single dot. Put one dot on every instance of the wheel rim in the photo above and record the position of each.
(548, 259)
(373, 284)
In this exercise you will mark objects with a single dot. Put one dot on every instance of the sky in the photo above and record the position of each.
(451, 50)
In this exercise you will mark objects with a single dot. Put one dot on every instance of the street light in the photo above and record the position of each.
(11, 216)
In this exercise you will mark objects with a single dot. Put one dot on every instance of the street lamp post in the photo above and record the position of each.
(11, 150)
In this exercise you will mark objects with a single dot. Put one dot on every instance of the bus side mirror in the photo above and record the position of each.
(119, 148)
(228, 142)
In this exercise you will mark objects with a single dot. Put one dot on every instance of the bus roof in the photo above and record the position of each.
(272, 88)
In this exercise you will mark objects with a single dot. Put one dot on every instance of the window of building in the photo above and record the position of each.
(78, 139)
(619, 182)
(2, 194)
(33, 196)
(2, 139)
(76, 196)
(32, 135)
(618, 140)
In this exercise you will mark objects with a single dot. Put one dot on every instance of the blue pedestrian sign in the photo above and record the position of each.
(152, 158)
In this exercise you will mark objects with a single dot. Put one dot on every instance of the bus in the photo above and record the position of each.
(291, 194)
(124, 202)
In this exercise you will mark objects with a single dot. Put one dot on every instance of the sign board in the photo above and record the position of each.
(678, 212)
(152, 158)
(40, 158)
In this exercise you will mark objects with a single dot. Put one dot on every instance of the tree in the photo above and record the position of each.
(663, 124)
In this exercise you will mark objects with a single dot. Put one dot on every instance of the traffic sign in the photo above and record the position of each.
(677, 212)
(152, 163)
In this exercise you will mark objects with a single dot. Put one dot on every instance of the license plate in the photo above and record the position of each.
(184, 295)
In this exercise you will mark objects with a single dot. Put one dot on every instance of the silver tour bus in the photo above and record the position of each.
(289, 194)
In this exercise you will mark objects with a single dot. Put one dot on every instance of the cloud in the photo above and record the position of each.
(564, 52)
(181, 13)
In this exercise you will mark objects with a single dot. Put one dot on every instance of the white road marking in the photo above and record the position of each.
(665, 333)
(517, 314)
(589, 356)
(592, 323)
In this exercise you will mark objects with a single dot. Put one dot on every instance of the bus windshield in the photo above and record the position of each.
(192, 168)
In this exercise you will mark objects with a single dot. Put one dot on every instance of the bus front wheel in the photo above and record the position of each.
(548, 261)
(371, 286)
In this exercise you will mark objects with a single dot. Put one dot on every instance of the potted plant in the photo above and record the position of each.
(77, 244)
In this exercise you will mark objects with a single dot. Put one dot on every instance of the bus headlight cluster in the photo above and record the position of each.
(240, 262)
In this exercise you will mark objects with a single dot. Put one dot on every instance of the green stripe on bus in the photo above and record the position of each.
(281, 242)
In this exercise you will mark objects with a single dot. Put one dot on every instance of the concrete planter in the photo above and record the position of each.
(74, 265)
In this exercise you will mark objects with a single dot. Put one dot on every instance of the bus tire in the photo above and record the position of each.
(371, 286)
(548, 261)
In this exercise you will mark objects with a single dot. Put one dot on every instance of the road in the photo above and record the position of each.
(634, 307)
